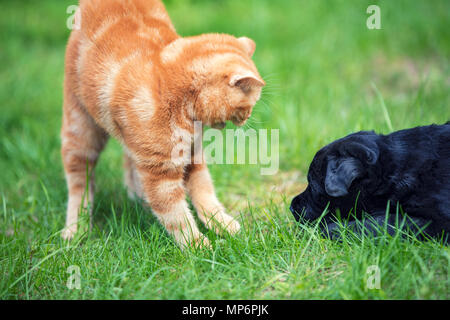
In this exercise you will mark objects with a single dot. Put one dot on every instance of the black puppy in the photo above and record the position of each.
(363, 171)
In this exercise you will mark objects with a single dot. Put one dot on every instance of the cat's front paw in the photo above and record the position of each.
(198, 243)
(68, 233)
(233, 226)
(189, 240)
(202, 243)
(222, 222)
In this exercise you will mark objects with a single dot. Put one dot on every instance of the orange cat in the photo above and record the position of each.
(129, 75)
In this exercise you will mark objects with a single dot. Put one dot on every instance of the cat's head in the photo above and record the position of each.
(220, 71)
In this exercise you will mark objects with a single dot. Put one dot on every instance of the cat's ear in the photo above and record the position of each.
(246, 80)
(248, 44)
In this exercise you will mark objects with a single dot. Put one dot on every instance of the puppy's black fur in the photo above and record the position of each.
(363, 171)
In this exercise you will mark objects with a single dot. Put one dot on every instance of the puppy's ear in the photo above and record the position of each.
(341, 172)
(367, 151)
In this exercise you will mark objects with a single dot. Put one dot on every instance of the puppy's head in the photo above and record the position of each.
(338, 172)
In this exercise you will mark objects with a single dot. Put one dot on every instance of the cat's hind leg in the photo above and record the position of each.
(82, 142)
(210, 211)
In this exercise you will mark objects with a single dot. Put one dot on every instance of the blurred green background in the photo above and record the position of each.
(327, 75)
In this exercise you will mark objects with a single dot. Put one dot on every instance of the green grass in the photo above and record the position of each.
(327, 75)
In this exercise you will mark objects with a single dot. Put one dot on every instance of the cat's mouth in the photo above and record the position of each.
(218, 125)
(236, 121)
(239, 123)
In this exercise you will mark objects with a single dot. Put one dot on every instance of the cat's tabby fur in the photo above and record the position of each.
(129, 75)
